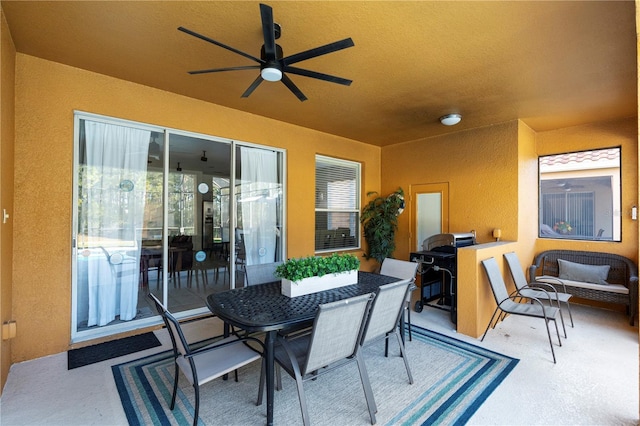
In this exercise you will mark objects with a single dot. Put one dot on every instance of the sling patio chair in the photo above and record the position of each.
(404, 270)
(538, 290)
(508, 305)
(385, 312)
(334, 341)
(205, 364)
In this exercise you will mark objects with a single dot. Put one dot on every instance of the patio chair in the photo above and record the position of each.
(333, 342)
(385, 312)
(404, 270)
(508, 305)
(261, 273)
(205, 364)
(536, 290)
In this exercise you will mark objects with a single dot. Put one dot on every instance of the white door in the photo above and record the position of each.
(430, 212)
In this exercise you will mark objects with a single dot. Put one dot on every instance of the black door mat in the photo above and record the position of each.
(107, 350)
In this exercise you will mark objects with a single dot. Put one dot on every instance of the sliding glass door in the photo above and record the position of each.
(167, 212)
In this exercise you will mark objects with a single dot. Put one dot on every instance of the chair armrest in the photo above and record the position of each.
(547, 277)
(229, 342)
(547, 288)
(532, 299)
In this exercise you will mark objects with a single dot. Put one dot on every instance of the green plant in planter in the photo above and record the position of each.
(317, 266)
(380, 221)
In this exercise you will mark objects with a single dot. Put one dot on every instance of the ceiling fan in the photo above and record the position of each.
(273, 66)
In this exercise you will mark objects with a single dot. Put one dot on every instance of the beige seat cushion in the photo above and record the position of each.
(611, 288)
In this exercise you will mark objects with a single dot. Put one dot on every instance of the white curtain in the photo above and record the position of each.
(113, 209)
(258, 198)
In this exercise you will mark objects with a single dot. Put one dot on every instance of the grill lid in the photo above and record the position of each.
(451, 240)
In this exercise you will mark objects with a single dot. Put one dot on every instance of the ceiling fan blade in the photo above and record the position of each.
(268, 31)
(224, 46)
(318, 51)
(318, 75)
(253, 86)
(287, 82)
(246, 67)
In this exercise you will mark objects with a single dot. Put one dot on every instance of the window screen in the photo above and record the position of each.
(337, 204)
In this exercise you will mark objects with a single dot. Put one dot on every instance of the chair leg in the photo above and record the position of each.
(303, 400)
(175, 388)
(196, 410)
(557, 333)
(278, 378)
(386, 346)
(409, 320)
(262, 380)
(368, 393)
(403, 354)
(489, 325)
(570, 316)
(562, 320)
(551, 343)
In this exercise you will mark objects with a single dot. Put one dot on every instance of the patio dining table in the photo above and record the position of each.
(262, 308)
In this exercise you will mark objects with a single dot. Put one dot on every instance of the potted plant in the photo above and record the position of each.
(380, 221)
(317, 273)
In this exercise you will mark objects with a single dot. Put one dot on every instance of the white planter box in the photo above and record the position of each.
(316, 284)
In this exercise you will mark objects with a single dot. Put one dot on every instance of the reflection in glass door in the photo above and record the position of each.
(170, 213)
(259, 233)
(197, 255)
(111, 178)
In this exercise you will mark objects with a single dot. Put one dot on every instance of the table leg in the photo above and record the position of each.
(269, 343)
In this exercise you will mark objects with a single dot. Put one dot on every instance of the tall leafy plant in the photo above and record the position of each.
(380, 221)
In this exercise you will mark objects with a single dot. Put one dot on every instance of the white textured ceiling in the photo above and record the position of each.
(552, 64)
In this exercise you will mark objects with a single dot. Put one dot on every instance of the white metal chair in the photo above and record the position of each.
(203, 365)
(508, 305)
(334, 341)
(385, 312)
(404, 270)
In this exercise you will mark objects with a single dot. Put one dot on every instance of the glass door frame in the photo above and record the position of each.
(79, 336)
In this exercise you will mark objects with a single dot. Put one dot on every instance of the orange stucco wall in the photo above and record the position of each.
(480, 166)
(47, 93)
(7, 85)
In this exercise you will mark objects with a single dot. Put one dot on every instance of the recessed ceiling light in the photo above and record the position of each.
(450, 119)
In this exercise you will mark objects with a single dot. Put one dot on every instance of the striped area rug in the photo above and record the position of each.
(451, 380)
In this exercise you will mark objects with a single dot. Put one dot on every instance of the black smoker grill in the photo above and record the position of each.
(438, 269)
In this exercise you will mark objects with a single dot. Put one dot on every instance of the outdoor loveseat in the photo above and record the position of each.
(586, 276)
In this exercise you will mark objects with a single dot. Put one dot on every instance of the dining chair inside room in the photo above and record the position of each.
(210, 362)
(333, 342)
(403, 270)
(507, 303)
(181, 258)
(384, 315)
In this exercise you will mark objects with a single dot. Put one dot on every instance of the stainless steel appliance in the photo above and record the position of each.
(438, 270)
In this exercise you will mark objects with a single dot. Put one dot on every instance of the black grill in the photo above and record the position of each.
(438, 270)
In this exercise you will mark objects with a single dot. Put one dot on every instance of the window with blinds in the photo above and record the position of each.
(580, 195)
(337, 204)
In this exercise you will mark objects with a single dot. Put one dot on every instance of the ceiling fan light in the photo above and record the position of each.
(271, 74)
(450, 119)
